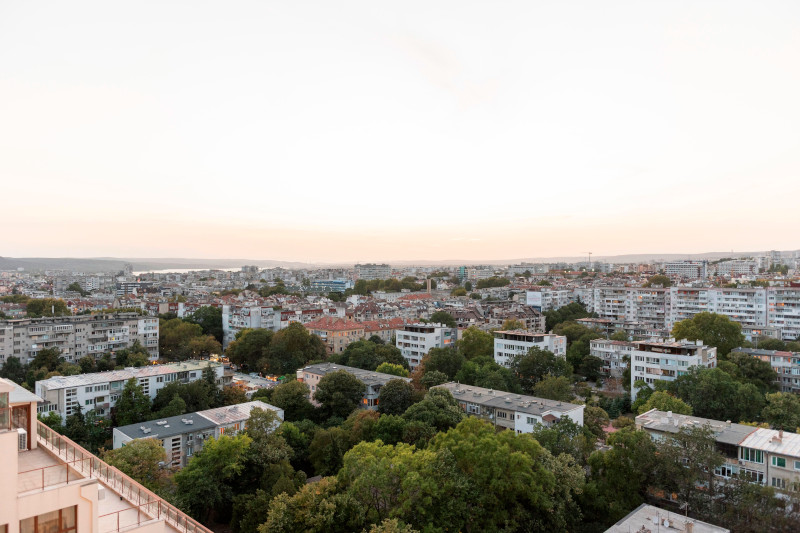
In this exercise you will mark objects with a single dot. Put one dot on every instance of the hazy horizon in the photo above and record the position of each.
(354, 131)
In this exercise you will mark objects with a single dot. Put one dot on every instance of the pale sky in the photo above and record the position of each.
(374, 130)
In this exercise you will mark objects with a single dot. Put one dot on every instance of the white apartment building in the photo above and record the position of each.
(370, 271)
(653, 361)
(99, 391)
(237, 318)
(77, 336)
(783, 310)
(182, 436)
(509, 344)
(785, 364)
(416, 340)
(546, 298)
(373, 381)
(746, 306)
(52, 484)
(687, 269)
(736, 268)
(613, 354)
(515, 412)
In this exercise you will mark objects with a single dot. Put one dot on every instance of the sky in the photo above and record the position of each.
(328, 131)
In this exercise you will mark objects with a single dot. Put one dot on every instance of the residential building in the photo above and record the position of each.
(667, 360)
(613, 354)
(687, 269)
(783, 310)
(331, 285)
(336, 333)
(512, 411)
(101, 390)
(509, 344)
(548, 298)
(52, 484)
(416, 340)
(764, 456)
(736, 268)
(373, 381)
(785, 364)
(182, 436)
(370, 271)
(648, 518)
(77, 336)
(236, 318)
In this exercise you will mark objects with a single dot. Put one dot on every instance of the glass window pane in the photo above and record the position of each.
(26, 526)
(47, 523)
(68, 517)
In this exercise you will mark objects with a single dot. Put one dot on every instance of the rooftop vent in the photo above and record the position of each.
(161, 422)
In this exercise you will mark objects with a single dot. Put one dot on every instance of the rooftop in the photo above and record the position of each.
(648, 518)
(669, 422)
(367, 377)
(774, 441)
(18, 394)
(236, 413)
(58, 382)
(508, 400)
(167, 427)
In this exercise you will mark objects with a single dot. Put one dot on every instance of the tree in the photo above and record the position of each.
(133, 406)
(713, 329)
(206, 482)
(48, 358)
(393, 369)
(266, 446)
(565, 436)
(395, 397)
(180, 340)
(176, 407)
(140, 459)
(13, 369)
(713, 393)
(458, 291)
(136, 355)
(42, 307)
(511, 324)
(233, 395)
(569, 312)
(389, 429)
(537, 364)
(443, 317)
(76, 287)
(664, 401)
(554, 388)
(619, 335)
(391, 525)
(475, 343)
(494, 281)
(250, 348)
(209, 318)
(748, 369)
(292, 397)
(293, 347)
(782, 411)
(659, 280)
(445, 360)
(467, 286)
(595, 419)
(433, 378)
(339, 393)
(438, 409)
(327, 449)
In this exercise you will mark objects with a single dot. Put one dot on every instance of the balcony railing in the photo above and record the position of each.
(146, 502)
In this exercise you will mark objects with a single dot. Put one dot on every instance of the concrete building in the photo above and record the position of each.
(687, 269)
(336, 333)
(77, 336)
(785, 364)
(547, 298)
(52, 484)
(650, 519)
(99, 391)
(373, 381)
(416, 340)
(512, 411)
(331, 285)
(736, 268)
(765, 456)
(783, 310)
(370, 271)
(182, 436)
(665, 361)
(509, 344)
(236, 318)
(613, 354)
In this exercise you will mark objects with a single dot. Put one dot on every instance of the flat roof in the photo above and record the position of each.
(507, 400)
(60, 382)
(231, 414)
(648, 517)
(166, 427)
(368, 377)
(19, 394)
(667, 422)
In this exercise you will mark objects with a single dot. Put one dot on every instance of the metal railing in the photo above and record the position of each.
(146, 502)
(47, 476)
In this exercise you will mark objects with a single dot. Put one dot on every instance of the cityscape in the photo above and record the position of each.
(400, 267)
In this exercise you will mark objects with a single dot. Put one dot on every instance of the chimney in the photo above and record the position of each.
(780, 434)
(669, 414)
(689, 527)
(728, 423)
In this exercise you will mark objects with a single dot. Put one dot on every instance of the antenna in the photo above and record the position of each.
(590, 259)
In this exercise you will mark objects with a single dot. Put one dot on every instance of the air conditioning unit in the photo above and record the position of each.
(22, 439)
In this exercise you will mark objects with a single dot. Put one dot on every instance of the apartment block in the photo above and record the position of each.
(51, 484)
(665, 361)
(613, 354)
(765, 456)
(370, 271)
(236, 318)
(331, 285)
(416, 340)
(511, 411)
(687, 269)
(99, 391)
(546, 298)
(509, 344)
(785, 364)
(182, 436)
(373, 381)
(77, 336)
(336, 333)
(783, 310)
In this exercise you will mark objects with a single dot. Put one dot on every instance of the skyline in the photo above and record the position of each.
(358, 132)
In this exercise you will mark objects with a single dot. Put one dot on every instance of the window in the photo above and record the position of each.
(779, 483)
(61, 521)
(754, 456)
(797, 465)
(778, 461)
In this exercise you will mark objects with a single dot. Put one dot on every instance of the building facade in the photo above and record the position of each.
(370, 271)
(510, 344)
(653, 361)
(785, 364)
(77, 336)
(336, 333)
(373, 381)
(416, 340)
(614, 354)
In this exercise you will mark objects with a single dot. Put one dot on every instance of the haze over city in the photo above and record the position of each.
(355, 131)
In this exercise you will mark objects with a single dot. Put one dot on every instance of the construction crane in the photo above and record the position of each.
(590, 258)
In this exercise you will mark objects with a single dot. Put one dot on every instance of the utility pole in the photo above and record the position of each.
(590, 259)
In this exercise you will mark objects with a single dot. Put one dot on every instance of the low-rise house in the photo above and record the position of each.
(650, 518)
(182, 436)
(512, 411)
(373, 381)
(336, 333)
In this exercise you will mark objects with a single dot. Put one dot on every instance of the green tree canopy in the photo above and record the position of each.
(664, 401)
(209, 318)
(476, 343)
(292, 397)
(783, 411)
(536, 365)
(659, 280)
(140, 459)
(713, 329)
(554, 388)
(445, 360)
(443, 317)
(133, 405)
(395, 397)
(42, 307)
(438, 409)
(393, 369)
(250, 349)
(339, 393)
